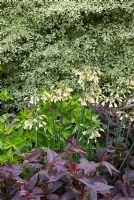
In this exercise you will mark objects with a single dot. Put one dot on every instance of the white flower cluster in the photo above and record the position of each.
(91, 134)
(30, 123)
(89, 82)
(62, 92)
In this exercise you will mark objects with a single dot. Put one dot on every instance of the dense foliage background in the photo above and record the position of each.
(43, 40)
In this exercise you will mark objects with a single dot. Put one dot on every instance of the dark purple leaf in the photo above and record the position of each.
(87, 182)
(88, 167)
(90, 194)
(74, 149)
(109, 167)
(53, 197)
(96, 186)
(55, 177)
(102, 188)
(32, 182)
(34, 154)
(32, 164)
(127, 190)
(52, 187)
(129, 175)
(37, 192)
(67, 196)
(42, 176)
(51, 155)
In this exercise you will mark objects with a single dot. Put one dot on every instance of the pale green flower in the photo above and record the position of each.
(89, 81)
(86, 74)
(45, 97)
(91, 134)
(61, 93)
(28, 124)
(34, 100)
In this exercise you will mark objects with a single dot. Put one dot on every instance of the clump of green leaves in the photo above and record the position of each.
(51, 117)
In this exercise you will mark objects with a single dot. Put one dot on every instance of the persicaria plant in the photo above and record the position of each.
(55, 176)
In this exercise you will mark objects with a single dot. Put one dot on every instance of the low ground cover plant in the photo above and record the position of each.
(58, 176)
(53, 175)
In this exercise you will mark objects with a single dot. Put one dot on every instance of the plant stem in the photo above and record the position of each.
(126, 156)
(118, 133)
(36, 122)
(90, 151)
(127, 135)
(108, 126)
(90, 144)
(82, 114)
(81, 122)
(60, 124)
(124, 160)
(54, 127)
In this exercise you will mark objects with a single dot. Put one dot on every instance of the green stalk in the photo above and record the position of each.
(82, 114)
(60, 124)
(124, 160)
(90, 145)
(118, 133)
(36, 122)
(124, 123)
(81, 122)
(126, 156)
(54, 127)
(126, 139)
(108, 126)
(90, 152)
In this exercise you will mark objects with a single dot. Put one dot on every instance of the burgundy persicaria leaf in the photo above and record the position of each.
(67, 196)
(32, 182)
(96, 187)
(90, 193)
(34, 155)
(74, 149)
(53, 197)
(51, 155)
(42, 176)
(103, 188)
(88, 167)
(37, 192)
(109, 167)
(33, 159)
(122, 191)
(129, 175)
(55, 177)
(52, 187)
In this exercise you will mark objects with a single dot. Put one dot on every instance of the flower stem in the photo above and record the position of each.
(124, 160)
(126, 156)
(82, 114)
(89, 148)
(60, 124)
(108, 126)
(54, 125)
(36, 121)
